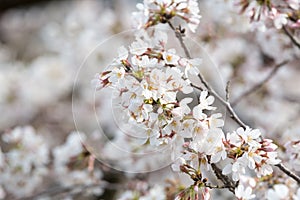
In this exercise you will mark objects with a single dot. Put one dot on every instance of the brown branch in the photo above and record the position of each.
(179, 35)
(208, 185)
(225, 179)
(227, 90)
(233, 115)
(288, 172)
(294, 41)
(260, 84)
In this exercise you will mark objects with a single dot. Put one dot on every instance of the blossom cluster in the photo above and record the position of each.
(247, 149)
(29, 158)
(144, 192)
(153, 12)
(148, 79)
(281, 13)
(26, 161)
(57, 38)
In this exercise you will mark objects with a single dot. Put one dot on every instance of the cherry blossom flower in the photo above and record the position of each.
(183, 107)
(170, 57)
(205, 102)
(243, 193)
(261, 13)
(294, 4)
(26, 163)
(280, 19)
(279, 191)
(237, 169)
(191, 65)
(249, 136)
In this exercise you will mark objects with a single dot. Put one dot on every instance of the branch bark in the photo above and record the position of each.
(288, 172)
(225, 179)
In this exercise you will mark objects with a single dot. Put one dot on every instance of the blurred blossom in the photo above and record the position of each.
(26, 162)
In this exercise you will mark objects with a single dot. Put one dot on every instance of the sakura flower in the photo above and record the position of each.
(294, 4)
(101, 80)
(280, 19)
(237, 169)
(219, 153)
(172, 127)
(278, 192)
(187, 128)
(234, 139)
(71, 148)
(170, 57)
(192, 192)
(215, 139)
(183, 107)
(116, 74)
(215, 121)
(249, 136)
(190, 65)
(192, 16)
(205, 102)
(144, 61)
(243, 193)
(175, 81)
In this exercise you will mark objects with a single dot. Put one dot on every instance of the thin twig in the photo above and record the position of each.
(216, 186)
(227, 90)
(260, 84)
(288, 172)
(233, 115)
(179, 36)
(294, 41)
